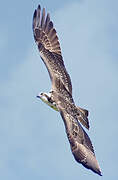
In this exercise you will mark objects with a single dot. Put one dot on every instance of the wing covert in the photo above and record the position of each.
(80, 142)
(48, 44)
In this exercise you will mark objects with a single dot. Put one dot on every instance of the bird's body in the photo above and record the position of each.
(60, 97)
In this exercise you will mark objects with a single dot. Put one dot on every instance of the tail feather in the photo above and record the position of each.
(82, 117)
(84, 111)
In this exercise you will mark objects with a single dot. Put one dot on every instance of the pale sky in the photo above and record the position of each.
(33, 142)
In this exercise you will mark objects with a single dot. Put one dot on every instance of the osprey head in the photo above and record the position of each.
(46, 98)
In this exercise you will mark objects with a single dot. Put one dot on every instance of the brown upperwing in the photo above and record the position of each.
(48, 44)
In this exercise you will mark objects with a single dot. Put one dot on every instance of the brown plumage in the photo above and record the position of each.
(60, 97)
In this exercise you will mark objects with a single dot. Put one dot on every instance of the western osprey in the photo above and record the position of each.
(60, 97)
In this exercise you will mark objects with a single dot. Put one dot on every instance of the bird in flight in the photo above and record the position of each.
(60, 96)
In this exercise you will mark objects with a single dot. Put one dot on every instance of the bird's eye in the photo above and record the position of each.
(41, 94)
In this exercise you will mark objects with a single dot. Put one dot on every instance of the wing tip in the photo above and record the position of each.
(35, 14)
(47, 34)
(39, 7)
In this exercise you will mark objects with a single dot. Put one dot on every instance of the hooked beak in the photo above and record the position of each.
(38, 96)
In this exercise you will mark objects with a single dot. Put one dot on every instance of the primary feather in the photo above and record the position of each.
(60, 98)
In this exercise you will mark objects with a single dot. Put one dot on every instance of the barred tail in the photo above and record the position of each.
(82, 115)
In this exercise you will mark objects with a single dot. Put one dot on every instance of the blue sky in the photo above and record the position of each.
(33, 142)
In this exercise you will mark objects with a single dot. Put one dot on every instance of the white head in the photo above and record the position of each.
(46, 98)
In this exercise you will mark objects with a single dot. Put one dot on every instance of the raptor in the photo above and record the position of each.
(60, 96)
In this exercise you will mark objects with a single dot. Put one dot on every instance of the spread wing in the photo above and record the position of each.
(80, 142)
(48, 44)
